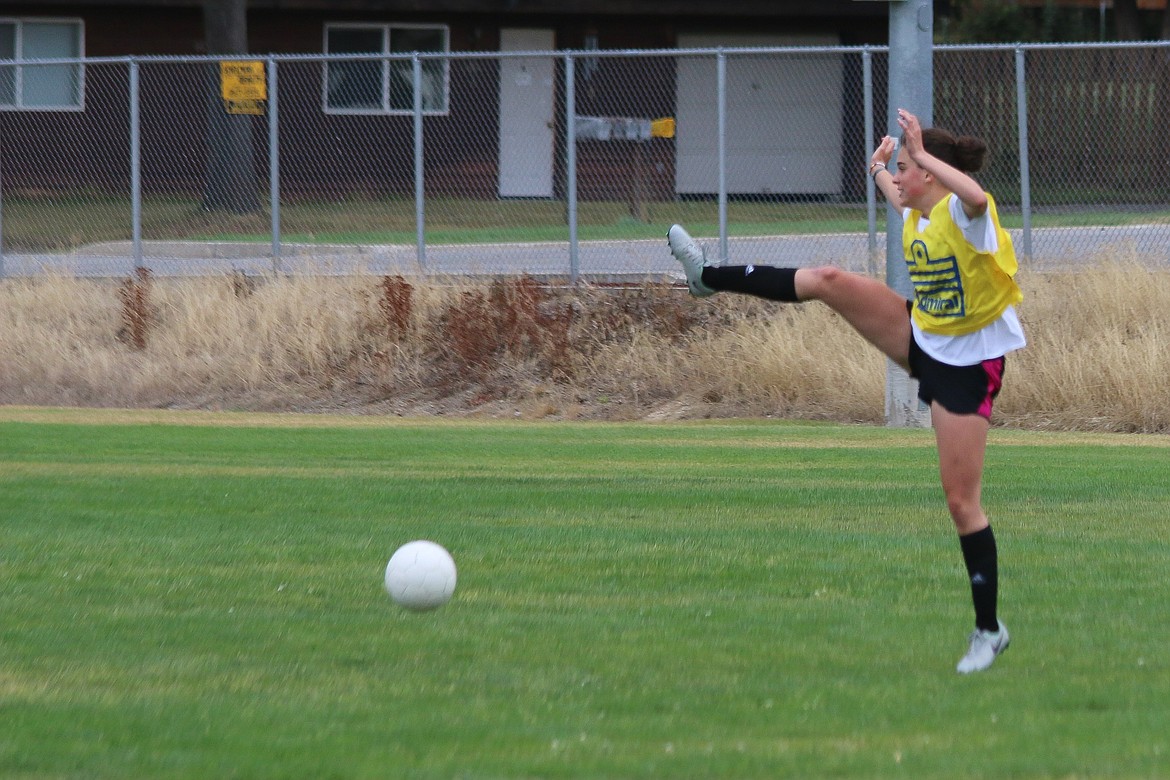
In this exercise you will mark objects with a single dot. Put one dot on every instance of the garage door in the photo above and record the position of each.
(784, 125)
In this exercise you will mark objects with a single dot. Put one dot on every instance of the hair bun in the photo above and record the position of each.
(970, 153)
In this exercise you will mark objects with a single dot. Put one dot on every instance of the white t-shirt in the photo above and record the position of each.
(994, 340)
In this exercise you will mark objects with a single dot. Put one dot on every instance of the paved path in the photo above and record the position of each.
(1062, 248)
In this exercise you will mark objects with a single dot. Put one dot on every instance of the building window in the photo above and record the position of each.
(31, 87)
(380, 85)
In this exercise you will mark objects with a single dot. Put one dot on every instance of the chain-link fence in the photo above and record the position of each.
(568, 164)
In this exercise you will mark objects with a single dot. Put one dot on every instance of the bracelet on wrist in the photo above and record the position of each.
(876, 168)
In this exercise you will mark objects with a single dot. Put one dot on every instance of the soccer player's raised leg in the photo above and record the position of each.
(872, 308)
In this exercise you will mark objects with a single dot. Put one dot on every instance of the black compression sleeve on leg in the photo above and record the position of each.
(763, 281)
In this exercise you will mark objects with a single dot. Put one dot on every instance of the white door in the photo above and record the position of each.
(526, 116)
(784, 124)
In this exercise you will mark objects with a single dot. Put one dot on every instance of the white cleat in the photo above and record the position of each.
(985, 647)
(692, 258)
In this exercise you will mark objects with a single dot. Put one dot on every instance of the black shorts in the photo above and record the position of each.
(958, 389)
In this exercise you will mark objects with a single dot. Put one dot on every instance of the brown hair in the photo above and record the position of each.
(965, 152)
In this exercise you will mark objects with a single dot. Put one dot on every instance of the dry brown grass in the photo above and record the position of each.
(1098, 354)
(1098, 357)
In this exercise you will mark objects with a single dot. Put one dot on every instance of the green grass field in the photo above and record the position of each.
(200, 595)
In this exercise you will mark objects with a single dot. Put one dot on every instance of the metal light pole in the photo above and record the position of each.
(911, 87)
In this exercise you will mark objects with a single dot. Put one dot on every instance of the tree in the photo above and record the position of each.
(1005, 21)
(984, 21)
(231, 175)
(1126, 21)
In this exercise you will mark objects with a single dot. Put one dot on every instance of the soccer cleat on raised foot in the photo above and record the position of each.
(984, 647)
(692, 258)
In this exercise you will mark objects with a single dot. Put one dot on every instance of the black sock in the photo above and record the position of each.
(979, 553)
(763, 281)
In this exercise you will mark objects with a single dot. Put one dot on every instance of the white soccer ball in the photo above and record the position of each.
(420, 575)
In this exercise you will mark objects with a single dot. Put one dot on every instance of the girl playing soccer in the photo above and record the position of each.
(952, 337)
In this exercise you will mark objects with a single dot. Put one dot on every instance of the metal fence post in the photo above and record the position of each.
(571, 165)
(721, 102)
(870, 186)
(274, 164)
(419, 184)
(1025, 174)
(135, 166)
(912, 88)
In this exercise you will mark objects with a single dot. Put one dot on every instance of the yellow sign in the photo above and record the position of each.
(243, 80)
(662, 128)
(243, 86)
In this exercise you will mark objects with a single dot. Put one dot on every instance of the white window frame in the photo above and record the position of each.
(387, 31)
(18, 69)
